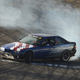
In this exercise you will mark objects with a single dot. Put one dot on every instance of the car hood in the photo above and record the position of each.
(17, 46)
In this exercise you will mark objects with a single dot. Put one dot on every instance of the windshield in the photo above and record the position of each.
(31, 40)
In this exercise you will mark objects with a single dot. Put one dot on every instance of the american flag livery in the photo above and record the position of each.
(20, 46)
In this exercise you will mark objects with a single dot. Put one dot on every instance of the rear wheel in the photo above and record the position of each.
(28, 57)
(65, 56)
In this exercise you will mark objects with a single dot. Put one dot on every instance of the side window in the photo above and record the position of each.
(59, 41)
(52, 41)
(48, 42)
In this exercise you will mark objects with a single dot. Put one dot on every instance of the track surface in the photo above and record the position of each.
(18, 70)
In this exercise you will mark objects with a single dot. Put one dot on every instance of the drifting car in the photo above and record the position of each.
(39, 46)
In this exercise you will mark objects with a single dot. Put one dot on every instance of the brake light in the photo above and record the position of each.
(75, 47)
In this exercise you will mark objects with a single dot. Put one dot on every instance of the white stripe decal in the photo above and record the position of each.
(30, 46)
(23, 46)
(16, 44)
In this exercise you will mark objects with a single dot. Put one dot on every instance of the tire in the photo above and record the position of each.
(28, 57)
(65, 56)
(4, 58)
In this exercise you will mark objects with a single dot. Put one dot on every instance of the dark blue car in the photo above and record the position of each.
(39, 46)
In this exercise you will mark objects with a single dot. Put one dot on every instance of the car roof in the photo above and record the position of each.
(44, 35)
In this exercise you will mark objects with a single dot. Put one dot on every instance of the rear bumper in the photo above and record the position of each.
(73, 52)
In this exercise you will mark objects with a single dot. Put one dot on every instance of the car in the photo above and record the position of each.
(39, 46)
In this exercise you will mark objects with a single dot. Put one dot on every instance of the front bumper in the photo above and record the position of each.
(8, 55)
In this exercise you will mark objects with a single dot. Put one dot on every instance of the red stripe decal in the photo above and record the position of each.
(27, 46)
(20, 44)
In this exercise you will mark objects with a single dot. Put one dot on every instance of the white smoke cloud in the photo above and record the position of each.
(9, 16)
(67, 20)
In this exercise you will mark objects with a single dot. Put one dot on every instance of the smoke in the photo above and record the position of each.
(66, 19)
(45, 16)
(8, 15)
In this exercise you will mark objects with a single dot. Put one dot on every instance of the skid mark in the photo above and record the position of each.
(44, 64)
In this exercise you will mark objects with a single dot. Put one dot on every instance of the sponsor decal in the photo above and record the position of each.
(40, 37)
(71, 44)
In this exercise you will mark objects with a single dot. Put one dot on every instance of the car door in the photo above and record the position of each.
(46, 49)
(60, 46)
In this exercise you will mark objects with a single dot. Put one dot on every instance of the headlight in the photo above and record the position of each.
(2, 48)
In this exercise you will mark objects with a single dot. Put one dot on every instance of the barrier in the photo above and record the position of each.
(75, 3)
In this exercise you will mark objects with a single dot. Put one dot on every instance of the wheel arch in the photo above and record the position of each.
(32, 54)
(62, 57)
(66, 50)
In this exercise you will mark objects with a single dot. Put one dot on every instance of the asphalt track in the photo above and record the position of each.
(37, 69)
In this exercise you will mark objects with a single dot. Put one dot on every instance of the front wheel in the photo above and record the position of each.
(65, 56)
(28, 57)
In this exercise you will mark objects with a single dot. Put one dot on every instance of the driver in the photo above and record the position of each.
(46, 42)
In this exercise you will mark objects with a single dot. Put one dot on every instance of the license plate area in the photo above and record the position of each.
(7, 55)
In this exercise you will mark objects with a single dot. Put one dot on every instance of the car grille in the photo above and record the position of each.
(6, 50)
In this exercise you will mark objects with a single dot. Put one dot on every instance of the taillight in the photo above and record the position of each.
(75, 47)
